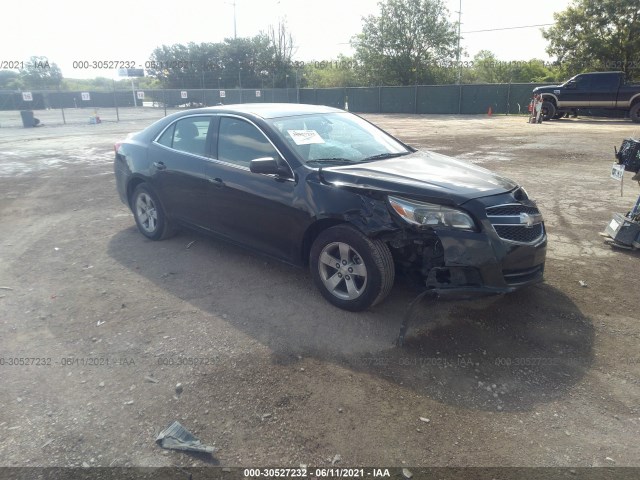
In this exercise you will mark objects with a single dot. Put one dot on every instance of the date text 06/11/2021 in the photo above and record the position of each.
(326, 472)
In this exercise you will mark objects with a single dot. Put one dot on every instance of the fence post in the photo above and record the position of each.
(64, 120)
(115, 102)
(508, 97)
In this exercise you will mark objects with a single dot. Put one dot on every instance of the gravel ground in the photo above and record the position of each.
(270, 373)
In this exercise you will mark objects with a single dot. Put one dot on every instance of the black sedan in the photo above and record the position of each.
(317, 186)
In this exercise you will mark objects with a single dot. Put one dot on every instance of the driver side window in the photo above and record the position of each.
(239, 142)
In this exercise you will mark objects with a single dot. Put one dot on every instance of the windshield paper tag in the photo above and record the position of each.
(305, 137)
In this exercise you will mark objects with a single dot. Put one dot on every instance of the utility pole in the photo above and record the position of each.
(458, 50)
(235, 31)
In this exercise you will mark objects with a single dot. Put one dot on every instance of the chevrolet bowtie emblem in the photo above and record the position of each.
(529, 220)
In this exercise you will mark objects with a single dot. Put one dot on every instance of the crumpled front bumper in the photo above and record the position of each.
(478, 263)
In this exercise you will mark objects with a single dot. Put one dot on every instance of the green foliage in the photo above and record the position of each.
(596, 35)
(39, 73)
(250, 62)
(411, 41)
(10, 80)
(342, 72)
(486, 68)
(93, 84)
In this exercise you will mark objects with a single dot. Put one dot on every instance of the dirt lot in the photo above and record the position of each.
(544, 377)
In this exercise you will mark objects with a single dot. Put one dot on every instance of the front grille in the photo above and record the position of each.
(515, 209)
(515, 222)
(518, 233)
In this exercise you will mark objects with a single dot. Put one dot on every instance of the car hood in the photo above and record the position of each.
(546, 88)
(423, 174)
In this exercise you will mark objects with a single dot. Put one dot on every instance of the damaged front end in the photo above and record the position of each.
(483, 238)
(501, 249)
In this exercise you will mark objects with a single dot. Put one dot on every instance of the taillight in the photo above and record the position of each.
(116, 146)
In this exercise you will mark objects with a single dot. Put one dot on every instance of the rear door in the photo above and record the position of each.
(179, 156)
(604, 90)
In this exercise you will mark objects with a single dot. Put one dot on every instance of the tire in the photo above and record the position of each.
(634, 113)
(351, 271)
(548, 111)
(149, 214)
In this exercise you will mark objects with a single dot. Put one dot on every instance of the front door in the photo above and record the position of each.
(254, 209)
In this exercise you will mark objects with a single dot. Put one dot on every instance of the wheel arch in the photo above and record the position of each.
(131, 186)
(312, 232)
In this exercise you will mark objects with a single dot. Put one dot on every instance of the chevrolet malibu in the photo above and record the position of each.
(320, 187)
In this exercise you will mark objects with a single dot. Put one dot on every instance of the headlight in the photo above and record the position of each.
(431, 214)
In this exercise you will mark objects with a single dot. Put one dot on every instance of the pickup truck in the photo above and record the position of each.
(602, 90)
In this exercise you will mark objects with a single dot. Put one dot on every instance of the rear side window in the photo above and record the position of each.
(239, 142)
(187, 135)
(167, 137)
(605, 82)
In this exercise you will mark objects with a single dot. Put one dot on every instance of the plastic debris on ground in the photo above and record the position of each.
(176, 437)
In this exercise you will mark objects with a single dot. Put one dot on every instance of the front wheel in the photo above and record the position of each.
(351, 271)
(634, 113)
(149, 214)
(548, 111)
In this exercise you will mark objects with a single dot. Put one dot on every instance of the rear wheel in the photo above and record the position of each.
(634, 113)
(351, 271)
(548, 111)
(149, 214)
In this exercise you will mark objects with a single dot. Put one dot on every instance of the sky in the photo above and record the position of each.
(121, 30)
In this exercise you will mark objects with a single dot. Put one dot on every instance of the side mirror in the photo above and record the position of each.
(571, 84)
(268, 166)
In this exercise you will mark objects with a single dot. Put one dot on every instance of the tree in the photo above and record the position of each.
(488, 69)
(342, 72)
(283, 48)
(9, 80)
(247, 62)
(39, 73)
(592, 35)
(406, 43)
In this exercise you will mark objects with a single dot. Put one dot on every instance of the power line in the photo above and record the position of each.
(510, 28)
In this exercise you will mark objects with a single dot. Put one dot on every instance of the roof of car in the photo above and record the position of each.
(271, 110)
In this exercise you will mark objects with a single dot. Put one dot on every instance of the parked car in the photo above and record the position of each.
(320, 187)
(601, 90)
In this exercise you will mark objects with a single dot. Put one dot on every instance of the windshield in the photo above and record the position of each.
(336, 139)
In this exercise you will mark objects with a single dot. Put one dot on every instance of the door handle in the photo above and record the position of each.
(160, 165)
(216, 182)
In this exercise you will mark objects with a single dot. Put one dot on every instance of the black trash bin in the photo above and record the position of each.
(27, 118)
